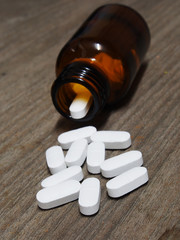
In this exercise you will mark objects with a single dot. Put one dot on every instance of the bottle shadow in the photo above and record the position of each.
(64, 124)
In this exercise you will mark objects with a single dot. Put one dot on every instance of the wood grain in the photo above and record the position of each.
(31, 35)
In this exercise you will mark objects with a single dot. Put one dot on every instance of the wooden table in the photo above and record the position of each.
(31, 35)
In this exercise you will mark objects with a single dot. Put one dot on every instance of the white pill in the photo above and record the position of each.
(80, 105)
(121, 163)
(58, 194)
(127, 182)
(66, 139)
(89, 196)
(55, 159)
(113, 139)
(77, 153)
(95, 156)
(74, 172)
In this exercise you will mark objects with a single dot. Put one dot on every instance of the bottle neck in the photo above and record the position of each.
(88, 76)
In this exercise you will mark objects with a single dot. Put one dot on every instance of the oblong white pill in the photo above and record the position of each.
(113, 139)
(77, 153)
(58, 194)
(127, 182)
(80, 105)
(65, 139)
(95, 156)
(74, 172)
(89, 196)
(55, 159)
(121, 163)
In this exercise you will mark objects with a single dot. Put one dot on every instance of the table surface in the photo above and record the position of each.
(31, 35)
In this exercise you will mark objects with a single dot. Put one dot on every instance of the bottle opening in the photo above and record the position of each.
(75, 101)
(79, 92)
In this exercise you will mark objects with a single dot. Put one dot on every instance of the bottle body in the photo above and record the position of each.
(113, 42)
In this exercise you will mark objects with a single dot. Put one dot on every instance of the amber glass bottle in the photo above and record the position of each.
(102, 57)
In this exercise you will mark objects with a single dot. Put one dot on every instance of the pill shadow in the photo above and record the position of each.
(58, 206)
(136, 82)
(88, 216)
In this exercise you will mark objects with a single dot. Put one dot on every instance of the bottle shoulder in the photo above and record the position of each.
(89, 49)
(85, 48)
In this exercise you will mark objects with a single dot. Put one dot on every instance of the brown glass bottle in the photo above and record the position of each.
(104, 56)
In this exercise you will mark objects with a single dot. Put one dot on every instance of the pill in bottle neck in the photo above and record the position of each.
(98, 64)
(81, 103)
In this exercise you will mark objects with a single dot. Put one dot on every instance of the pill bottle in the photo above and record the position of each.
(98, 64)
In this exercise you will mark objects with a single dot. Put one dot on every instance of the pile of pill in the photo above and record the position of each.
(86, 143)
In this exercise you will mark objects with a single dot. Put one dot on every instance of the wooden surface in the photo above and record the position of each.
(31, 35)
